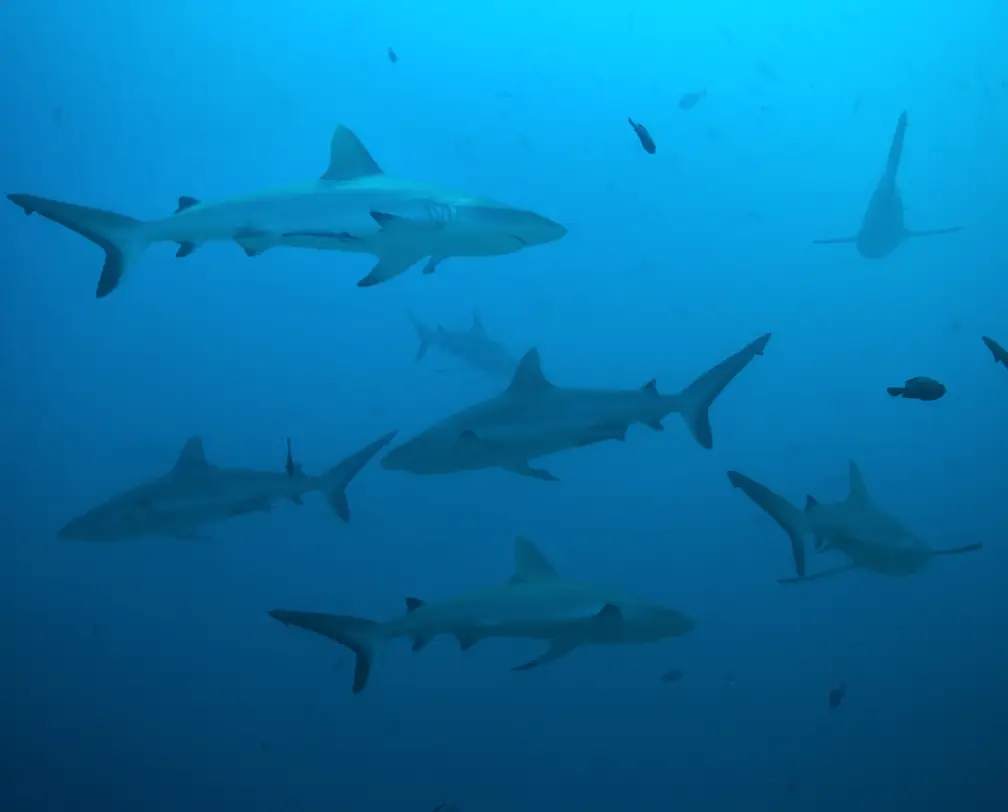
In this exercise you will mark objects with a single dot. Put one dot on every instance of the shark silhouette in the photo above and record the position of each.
(353, 207)
(195, 492)
(1000, 353)
(882, 228)
(869, 537)
(535, 603)
(535, 417)
(474, 347)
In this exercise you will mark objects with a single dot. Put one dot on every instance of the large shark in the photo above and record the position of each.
(474, 347)
(535, 603)
(534, 417)
(869, 537)
(353, 207)
(882, 228)
(195, 492)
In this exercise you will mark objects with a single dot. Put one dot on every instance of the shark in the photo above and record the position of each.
(534, 417)
(882, 227)
(195, 493)
(1000, 353)
(869, 537)
(474, 347)
(353, 207)
(535, 603)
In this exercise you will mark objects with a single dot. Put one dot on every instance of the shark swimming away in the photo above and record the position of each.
(473, 347)
(354, 207)
(869, 537)
(882, 228)
(535, 417)
(195, 492)
(536, 603)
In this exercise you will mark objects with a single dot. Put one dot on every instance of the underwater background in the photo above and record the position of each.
(147, 674)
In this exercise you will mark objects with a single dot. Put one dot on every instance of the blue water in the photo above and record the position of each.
(148, 676)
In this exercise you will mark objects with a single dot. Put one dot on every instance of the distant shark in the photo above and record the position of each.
(353, 207)
(474, 347)
(534, 417)
(882, 229)
(194, 493)
(999, 352)
(869, 537)
(535, 603)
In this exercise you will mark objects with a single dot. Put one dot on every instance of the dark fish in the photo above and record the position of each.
(646, 140)
(392, 56)
(672, 676)
(918, 389)
(690, 100)
(836, 695)
(1000, 353)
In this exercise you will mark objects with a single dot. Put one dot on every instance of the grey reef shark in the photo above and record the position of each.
(535, 603)
(354, 207)
(473, 347)
(857, 527)
(883, 228)
(195, 492)
(534, 417)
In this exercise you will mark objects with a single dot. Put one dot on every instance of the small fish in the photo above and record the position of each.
(672, 676)
(392, 56)
(690, 100)
(646, 140)
(920, 388)
(1000, 353)
(836, 695)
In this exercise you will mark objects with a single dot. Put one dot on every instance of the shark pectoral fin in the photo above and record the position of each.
(930, 232)
(390, 265)
(603, 431)
(185, 249)
(835, 240)
(969, 548)
(818, 576)
(524, 469)
(557, 649)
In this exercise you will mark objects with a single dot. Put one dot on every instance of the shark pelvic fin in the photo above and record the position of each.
(530, 564)
(348, 158)
(191, 458)
(528, 378)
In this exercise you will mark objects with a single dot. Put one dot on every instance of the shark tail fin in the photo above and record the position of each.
(122, 238)
(790, 518)
(694, 402)
(334, 481)
(362, 637)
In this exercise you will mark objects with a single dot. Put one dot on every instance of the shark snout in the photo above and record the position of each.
(540, 230)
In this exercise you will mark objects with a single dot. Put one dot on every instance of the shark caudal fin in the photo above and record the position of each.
(362, 637)
(694, 402)
(122, 238)
(334, 481)
(790, 518)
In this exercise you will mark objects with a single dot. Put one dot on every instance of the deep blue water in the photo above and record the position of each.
(148, 676)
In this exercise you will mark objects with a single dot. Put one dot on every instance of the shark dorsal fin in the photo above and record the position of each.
(348, 158)
(528, 378)
(477, 325)
(858, 492)
(412, 604)
(530, 564)
(651, 387)
(191, 457)
(186, 202)
(810, 502)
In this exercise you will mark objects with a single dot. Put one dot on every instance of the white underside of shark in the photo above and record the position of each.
(354, 207)
(869, 537)
(535, 603)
